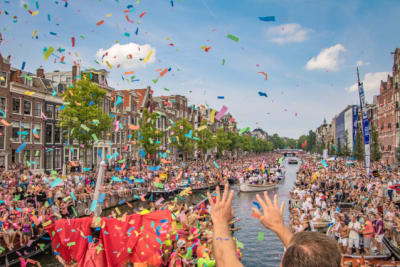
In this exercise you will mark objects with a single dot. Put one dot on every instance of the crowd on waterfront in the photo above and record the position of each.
(356, 210)
(29, 202)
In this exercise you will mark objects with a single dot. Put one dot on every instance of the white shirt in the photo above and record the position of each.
(354, 227)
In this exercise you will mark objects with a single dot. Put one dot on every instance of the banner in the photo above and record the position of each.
(365, 123)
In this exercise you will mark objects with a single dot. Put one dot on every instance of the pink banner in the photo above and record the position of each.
(221, 113)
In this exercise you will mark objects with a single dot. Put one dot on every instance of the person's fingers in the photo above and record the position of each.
(267, 199)
(276, 201)
(262, 203)
(230, 197)
(218, 198)
(256, 213)
(282, 208)
(210, 200)
(225, 194)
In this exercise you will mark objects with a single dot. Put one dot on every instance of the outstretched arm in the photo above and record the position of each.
(223, 244)
(273, 218)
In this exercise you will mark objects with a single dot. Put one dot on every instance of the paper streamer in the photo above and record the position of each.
(221, 113)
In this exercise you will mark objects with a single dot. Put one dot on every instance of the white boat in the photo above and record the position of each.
(256, 187)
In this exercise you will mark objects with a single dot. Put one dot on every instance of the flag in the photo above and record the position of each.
(304, 144)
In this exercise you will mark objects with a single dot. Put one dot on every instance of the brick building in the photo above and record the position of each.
(387, 121)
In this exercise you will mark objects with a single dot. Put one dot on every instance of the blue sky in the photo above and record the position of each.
(309, 53)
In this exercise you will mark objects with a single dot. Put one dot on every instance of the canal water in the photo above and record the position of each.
(267, 252)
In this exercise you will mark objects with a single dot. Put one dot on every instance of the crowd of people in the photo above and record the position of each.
(30, 201)
(355, 209)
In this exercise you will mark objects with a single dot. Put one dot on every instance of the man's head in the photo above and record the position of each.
(311, 249)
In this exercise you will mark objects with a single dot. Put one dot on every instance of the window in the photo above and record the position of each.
(27, 107)
(389, 125)
(118, 137)
(49, 111)
(37, 134)
(57, 135)
(3, 104)
(14, 156)
(389, 148)
(2, 137)
(3, 79)
(38, 159)
(37, 109)
(27, 156)
(49, 133)
(66, 155)
(49, 160)
(57, 111)
(133, 105)
(16, 106)
(57, 158)
(14, 131)
(27, 132)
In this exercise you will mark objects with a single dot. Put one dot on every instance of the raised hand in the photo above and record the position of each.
(221, 210)
(273, 217)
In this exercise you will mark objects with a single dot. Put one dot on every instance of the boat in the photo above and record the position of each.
(293, 161)
(256, 187)
(394, 250)
(204, 188)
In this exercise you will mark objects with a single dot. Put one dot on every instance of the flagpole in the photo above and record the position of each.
(365, 124)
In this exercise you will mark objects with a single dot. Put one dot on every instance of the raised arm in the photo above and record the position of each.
(273, 218)
(223, 244)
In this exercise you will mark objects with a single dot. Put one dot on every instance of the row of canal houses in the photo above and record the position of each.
(29, 105)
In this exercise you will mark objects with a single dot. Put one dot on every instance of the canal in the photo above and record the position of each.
(267, 252)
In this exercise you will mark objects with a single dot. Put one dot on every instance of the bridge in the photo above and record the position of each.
(287, 152)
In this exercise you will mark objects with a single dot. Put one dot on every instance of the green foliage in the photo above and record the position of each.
(311, 142)
(277, 141)
(339, 148)
(359, 146)
(83, 115)
(222, 140)
(183, 143)
(206, 138)
(376, 154)
(346, 149)
(148, 137)
(301, 140)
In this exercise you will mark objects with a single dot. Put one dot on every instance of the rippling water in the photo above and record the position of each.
(267, 252)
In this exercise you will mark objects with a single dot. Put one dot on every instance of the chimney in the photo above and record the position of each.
(40, 72)
(76, 71)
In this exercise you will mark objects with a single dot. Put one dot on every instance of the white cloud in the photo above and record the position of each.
(327, 59)
(362, 63)
(288, 33)
(371, 81)
(129, 55)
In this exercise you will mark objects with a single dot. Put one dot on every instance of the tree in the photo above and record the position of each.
(359, 146)
(222, 141)
(311, 141)
(339, 151)
(346, 149)
(183, 137)
(206, 138)
(83, 116)
(291, 143)
(301, 140)
(148, 137)
(375, 150)
(277, 141)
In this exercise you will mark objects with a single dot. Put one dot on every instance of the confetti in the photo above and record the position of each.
(73, 41)
(233, 37)
(148, 56)
(100, 22)
(268, 18)
(48, 53)
(21, 147)
(143, 13)
(262, 94)
(260, 236)
(263, 73)
(223, 61)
